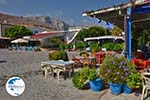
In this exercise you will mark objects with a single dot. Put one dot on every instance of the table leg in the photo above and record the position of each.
(65, 73)
(72, 71)
(45, 73)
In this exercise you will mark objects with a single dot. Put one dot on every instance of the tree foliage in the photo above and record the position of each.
(17, 32)
(94, 31)
(116, 31)
(54, 42)
(142, 39)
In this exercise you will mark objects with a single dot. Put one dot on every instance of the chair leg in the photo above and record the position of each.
(143, 91)
(146, 92)
(72, 71)
(58, 72)
(53, 74)
(45, 73)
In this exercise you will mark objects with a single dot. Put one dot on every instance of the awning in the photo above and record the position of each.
(133, 15)
(19, 40)
(141, 10)
(117, 14)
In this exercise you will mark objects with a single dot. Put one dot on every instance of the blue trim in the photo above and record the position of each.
(141, 10)
(128, 33)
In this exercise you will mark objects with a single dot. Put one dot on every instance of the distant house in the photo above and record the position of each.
(44, 35)
(35, 30)
(68, 36)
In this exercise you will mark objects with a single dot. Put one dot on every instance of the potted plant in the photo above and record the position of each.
(95, 82)
(134, 81)
(86, 75)
(80, 78)
(115, 71)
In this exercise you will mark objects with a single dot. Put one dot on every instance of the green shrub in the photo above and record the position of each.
(69, 46)
(116, 69)
(79, 78)
(117, 47)
(134, 79)
(80, 45)
(54, 42)
(58, 55)
(113, 46)
(92, 74)
(108, 46)
(62, 46)
(51, 42)
(95, 47)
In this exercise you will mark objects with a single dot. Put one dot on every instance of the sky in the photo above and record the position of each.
(69, 11)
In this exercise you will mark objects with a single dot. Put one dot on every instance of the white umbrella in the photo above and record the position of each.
(19, 40)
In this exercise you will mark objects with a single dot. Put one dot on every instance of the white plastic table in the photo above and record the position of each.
(46, 65)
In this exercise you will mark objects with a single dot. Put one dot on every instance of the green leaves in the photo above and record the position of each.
(78, 80)
(113, 46)
(95, 47)
(64, 46)
(118, 70)
(134, 79)
(57, 55)
(114, 69)
(91, 32)
(17, 31)
(92, 74)
(80, 45)
(81, 77)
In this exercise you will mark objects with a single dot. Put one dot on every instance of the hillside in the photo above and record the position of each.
(51, 22)
(42, 22)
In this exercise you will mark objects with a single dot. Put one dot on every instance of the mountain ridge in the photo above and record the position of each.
(51, 22)
(45, 23)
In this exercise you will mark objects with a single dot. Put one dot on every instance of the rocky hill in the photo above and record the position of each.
(51, 22)
(43, 22)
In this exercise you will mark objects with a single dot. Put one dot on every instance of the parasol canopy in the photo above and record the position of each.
(19, 40)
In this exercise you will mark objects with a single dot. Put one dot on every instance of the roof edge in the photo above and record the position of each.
(115, 7)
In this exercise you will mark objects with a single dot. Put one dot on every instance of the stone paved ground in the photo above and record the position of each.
(39, 88)
(27, 66)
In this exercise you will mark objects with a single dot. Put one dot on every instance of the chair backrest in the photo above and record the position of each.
(148, 69)
(146, 78)
(72, 54)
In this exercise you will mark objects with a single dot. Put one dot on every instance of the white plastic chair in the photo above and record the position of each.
(45, 69)
(146, 84)
(57, 70)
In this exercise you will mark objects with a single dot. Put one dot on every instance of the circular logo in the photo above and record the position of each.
(15, 86)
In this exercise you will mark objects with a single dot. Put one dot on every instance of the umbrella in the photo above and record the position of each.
(19, 40)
